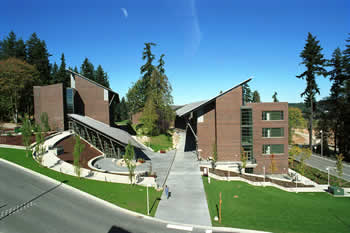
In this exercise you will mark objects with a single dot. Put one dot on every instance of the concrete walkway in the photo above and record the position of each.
(188, 203)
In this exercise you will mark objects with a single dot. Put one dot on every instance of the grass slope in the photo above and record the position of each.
(161, 142)
(123, 195)
(271, 209)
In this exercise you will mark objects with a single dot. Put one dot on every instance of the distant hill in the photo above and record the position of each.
(301, 106)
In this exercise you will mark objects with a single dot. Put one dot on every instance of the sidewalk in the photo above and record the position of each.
(188, 203)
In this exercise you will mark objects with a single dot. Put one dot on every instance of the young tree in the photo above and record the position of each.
(293, 153)
(273, 166)
(295, 120)
(129, 160)
(256, 97)
(304, 155)
(313, 59)
(274, 97)
(26, 133)
(15, 77)
(38, 56)
(244, 158)
(87, 70)
(78, 149)
(39, 147)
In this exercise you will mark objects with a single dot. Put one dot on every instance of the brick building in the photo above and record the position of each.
(260, 129)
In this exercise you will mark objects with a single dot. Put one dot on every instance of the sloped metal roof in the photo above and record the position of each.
(194, 106)
(115, 133)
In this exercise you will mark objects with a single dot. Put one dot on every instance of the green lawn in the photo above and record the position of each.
(271, 209)
(123, 195)
(161, 142)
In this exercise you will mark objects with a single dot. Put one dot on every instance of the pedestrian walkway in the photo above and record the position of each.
(187, 203)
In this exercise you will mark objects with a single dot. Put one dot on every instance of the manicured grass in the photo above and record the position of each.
(274, 210)
(161, 142)
(320, 177)
(123, 195)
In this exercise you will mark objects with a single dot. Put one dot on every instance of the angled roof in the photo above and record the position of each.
(93, 82)
(117, 134)
(194, 106)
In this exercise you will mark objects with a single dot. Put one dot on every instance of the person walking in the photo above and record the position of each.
(166, 191)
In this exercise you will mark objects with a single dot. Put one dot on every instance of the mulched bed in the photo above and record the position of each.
(16, 140)
(88, 153)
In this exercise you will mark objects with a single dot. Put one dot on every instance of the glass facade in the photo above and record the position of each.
(272, 115)
(272, 132)
(70, 100)
(247, 132)
(273, 149)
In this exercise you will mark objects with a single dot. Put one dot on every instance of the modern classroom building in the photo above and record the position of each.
(85, 107)
(260, 129)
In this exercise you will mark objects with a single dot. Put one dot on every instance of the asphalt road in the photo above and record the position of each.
(322, 163)
(48, 207)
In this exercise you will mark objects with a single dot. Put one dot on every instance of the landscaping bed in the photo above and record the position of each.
(271, 209)
(132, 197)
(68, 145)
(16, 140)
(320, 177)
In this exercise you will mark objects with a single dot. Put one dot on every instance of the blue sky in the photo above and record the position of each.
(208, 45)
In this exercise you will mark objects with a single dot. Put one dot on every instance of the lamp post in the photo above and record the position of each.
(264, 174)
(321, 142)
(328, 168)
(147, 200)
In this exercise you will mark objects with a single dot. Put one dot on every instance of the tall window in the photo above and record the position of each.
(247, 131)
(272, 115)
(272, 132)
(70, 100)
(273, 149)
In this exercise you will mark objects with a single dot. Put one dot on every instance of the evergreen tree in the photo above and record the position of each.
(274, 97)
(247, 94)
(160, 66)
(62, 74)
(38, 56)
(54, 72)
(313, 59)
(11, 47)
(76, 69)
(87, 70)
(256, 97)
(101, 77)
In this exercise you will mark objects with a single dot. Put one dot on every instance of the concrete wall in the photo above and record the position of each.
(92, 97)
(228, 118)
(281, 160)
(50, 99)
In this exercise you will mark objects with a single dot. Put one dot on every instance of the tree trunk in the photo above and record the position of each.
(310, 121)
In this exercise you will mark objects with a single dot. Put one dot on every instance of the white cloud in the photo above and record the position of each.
(125, 12)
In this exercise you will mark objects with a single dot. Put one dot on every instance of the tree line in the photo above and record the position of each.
(24, 64)
(333, 111)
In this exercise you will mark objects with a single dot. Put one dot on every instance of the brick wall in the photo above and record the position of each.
(206, 132)
(281, 160)
(92, 97)
(228, 125)
(49, 99)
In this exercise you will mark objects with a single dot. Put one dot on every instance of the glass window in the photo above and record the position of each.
(249, 151)
(247, 135)
(272, 115)
(246, 117)
(272, 132)
(273, 149)
(70, 100)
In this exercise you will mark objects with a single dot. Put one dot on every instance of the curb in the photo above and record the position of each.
(129, 212)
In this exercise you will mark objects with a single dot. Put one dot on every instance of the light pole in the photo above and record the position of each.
(328, 168)
(264, 174)
(147, 200)
(321, 142)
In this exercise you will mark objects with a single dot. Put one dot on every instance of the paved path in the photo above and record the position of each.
(322, 163)
(188, 203)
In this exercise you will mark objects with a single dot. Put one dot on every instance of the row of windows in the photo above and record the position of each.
(272, 115)
(272, 132)
(273, 149)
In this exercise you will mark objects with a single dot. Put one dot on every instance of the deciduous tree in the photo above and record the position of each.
(256, 97)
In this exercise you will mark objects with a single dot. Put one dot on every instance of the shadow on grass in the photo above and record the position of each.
(154, 203)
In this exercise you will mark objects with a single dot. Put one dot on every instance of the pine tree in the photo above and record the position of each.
(11, 47)
(62, 75)
(101, 77)
(247, 94)
(76, 69)
(87, 70)
(274, 97)
(256, 97)
(313, 59)
(38, 55)
(54, 71)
